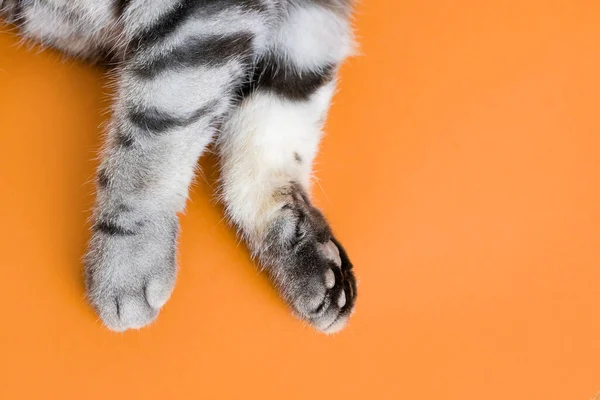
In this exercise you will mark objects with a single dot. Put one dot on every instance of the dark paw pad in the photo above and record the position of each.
(309, 266)
(326, 298)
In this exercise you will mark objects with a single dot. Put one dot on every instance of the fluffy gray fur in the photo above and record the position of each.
(261, 74)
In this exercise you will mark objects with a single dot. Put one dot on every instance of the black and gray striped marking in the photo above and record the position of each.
(121, 6)
(155, 121)
(112, 229)
(124, 140)
(276, 75)
(103, 179)
(184, 10)
(213, 50)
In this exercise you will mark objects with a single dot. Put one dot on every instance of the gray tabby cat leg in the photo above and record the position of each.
(173, 92)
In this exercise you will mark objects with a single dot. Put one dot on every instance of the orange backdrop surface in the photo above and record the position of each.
(461, 170)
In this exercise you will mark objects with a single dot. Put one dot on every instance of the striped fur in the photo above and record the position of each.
(262, 70)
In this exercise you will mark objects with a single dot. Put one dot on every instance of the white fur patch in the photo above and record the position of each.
(259, 146)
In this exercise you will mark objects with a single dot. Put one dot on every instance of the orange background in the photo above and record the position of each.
(461, 170)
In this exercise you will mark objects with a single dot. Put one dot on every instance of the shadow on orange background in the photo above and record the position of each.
(461, 170)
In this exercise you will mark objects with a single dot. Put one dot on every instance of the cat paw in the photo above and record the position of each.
(309, 266)
(328, 293)
(129, 276)
(130, 303)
